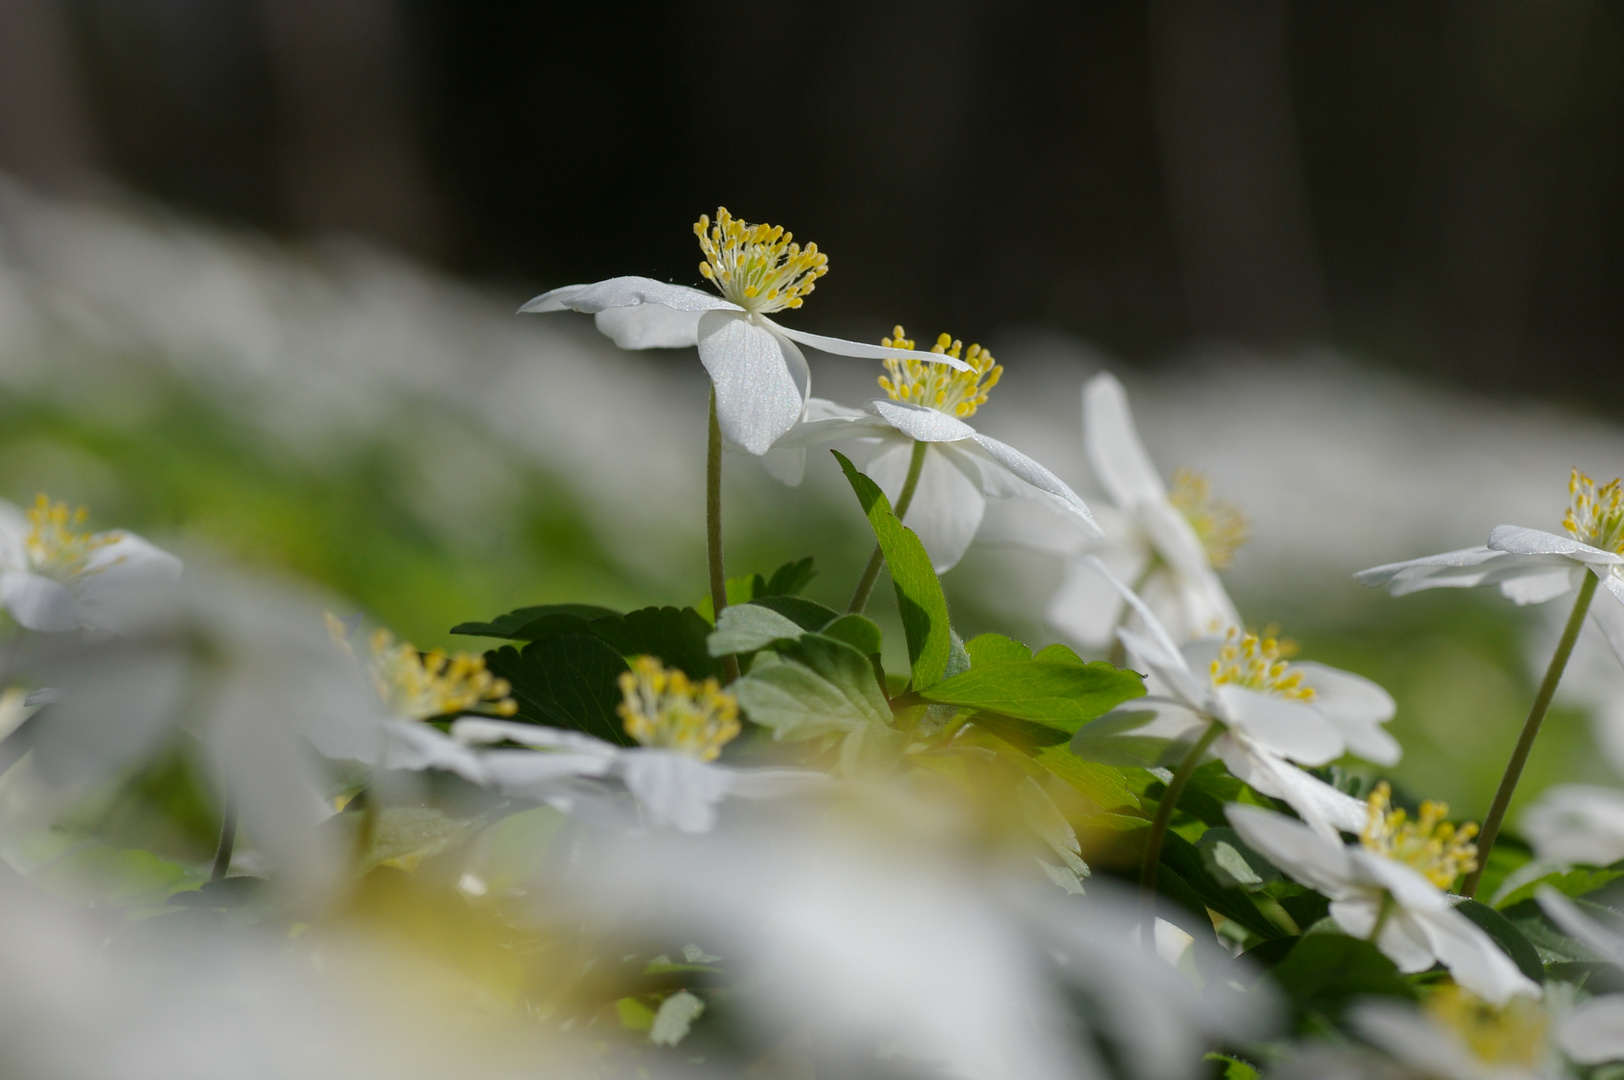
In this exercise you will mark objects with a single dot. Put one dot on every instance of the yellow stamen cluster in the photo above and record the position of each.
(1219, 523)
(1595, 515)
(663, 708)
(756, 266)
(418, 685)
(1439, 850)
(945, 389)
(1259, 663)
(1513, 1035)
(54, 545)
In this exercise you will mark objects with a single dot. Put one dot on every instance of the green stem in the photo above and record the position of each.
(1164, 811)
(713, 529)
(1389, 905)
(228, 841)
(1530, 731)
(871, 573)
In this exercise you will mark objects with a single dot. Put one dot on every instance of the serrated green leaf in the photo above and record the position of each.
(861, 633)
(820, 686)
(570, 681)
(1180, 856)
(747, 628)
(993, 648)
(808, 614)
(1100, 783)
(675, 635)
(1511, 940)
(530, 623)
(789, 579)
(1058, 694)
(919, 591)
(1231, 862)
(1059, 654)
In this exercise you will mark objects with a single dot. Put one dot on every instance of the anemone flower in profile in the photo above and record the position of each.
(1576, 823)
(762, 381)
(54, 576)
(1168, 542)
(938, 470)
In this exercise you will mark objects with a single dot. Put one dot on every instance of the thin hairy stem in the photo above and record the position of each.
(871, 573)
(1530, 731)
(713, 529)
(1164, 811)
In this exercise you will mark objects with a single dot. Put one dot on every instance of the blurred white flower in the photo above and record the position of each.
(1577, 823)
(1271, 712)
(1531, 566)
(962, 468)
(1455, 1036)
(1387, 888)
(1592, 1031)
(1167, 544)
(55, 578)
(761, 378)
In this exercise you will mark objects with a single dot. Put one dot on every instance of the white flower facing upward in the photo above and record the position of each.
(1272, 713)
(927, 403)
(55, 577)
(761, 379)
(1168, 543)
(1390, 887)
(1576, 823)
(1531, 566)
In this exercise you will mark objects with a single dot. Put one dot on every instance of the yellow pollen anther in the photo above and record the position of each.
(1439, 850)
(756, 266)
(662, 707)
(957, 393)
(1595, 515)
(1512, 1035)
(1259, 663)
(54, 548)
(418, 685)
(1218, 523)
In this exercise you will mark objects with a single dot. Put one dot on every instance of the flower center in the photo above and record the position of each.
(54, 548)
(756, 266)
(419, 686)
(1218, 523)
(957, 393)
(1439, 850)
(1259, 663)
(661, 707)
(1513, 1035)
(1595, 515)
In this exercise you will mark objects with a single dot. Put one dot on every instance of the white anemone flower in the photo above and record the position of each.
(1270, 712)
(1577, 823)
(1456, 1036)
(55, 577)
(1389, 888)
(1168, 543)
(961, 468)
(1531, 566)
(761, 379)
(1592, 1031)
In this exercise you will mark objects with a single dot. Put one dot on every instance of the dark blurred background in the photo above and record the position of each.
(1438, 186)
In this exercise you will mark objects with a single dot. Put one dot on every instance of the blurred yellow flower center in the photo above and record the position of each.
(1595, 515)
(957, 393)
(55, 549)
(756, 266)
(1259, 663)
(1513, 1035)
(418, 685)
(661, 707)
(1439, 850)
(1219, 523)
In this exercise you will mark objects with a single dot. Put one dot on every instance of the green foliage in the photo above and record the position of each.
(677, 636)
(535, 623)
(1103, 785)
(1326, 972)
(569, 681)
(1234, 1067)
(1511, 940)
(1576, 882)
(920, 601)
(819, 686)
(1231, 863)
(1056, 693)
(992, 648)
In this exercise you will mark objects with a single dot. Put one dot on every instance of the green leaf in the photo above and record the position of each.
(677, 636)
(1231, 863)
(1575, 882)
(104, 876)
(992, 648)
(1059, 694)
(747, 628)
(1234, 1067)
(1327, 971)
(1511, 940)
(861, 633)
(570, 682)
(1059, 654)
(531, 623)
(1101, 783)
(919, 591)
(789, 579)
(740, 590)
(410, 833)
(819, 686)
(808, 614)
(1180, 856)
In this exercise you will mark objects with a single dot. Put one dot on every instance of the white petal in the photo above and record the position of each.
(1473, 958)
(1402, 940)
(416, 746)
(921, 423)
(627, 292)
(1607, 612)
(1038, 480)
(1357, 707)
(1577, 823)
(786, 464)
(1419, 1044)
(1174, 538)
(1324, 809)
(39, 603)
(1463, 569)
(1594, 1031)
(1112, 443)
(1538, 588)
(1520, 541)
(1567, 916)
(761, 379)
(1165, 654)
(1292, 729)
(775, 783)
(649, 326)
(1312, 860)
(947, 505)
(1169, 671)
(675, 791)
(1409, 889)
(842, 347)
(1086, 608)
(13, 537)
(471, 730)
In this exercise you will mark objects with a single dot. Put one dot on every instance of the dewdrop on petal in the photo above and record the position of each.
(663, 708)
(1430, 844)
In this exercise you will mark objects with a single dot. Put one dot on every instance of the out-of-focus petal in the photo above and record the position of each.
(1292, 729)
(1086, 608)
(1577, 823)
(1474, 960)
(39, 603)
(1538, 588)
(1324, 809)
(1038, 479)
(1463, 569)
(1112, 443)
(675, 790)
(1567, 916)
(13, 536)
(760, 379)
(947, 505)
(1309, 859)
(628, 291)
(649, 326)
(1594, 1031)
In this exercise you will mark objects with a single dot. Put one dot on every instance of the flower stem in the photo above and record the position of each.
(1530, 731)
(228, 840)
(1389, 905)
(713, 529)
(871, 573)
(1164, 811)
